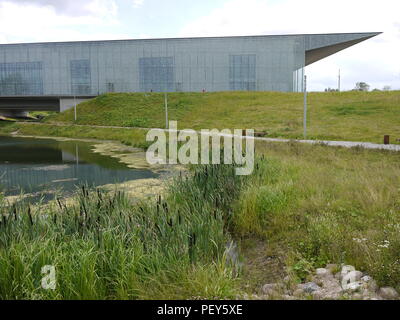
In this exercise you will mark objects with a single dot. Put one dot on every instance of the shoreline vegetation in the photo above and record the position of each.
(134, 137)
(214, 235)
(303, 208)
(171, 248)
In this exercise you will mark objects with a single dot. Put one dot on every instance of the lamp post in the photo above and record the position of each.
(166, 110)
(305, 107)
(75, 115)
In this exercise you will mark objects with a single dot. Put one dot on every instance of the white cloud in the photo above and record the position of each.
(71, 7)
(137, 3)
(39, 21)
(375, 61)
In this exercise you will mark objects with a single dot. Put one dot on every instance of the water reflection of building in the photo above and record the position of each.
(68, 157)
(30, 154)
(34, 178)
(39, 165)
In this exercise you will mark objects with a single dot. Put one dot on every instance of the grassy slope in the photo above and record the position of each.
(317, 205)
(133, 137)
(353, 116)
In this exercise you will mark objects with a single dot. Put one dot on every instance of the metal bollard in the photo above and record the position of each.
(386, 139)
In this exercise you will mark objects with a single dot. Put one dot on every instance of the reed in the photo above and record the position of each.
(107, 247)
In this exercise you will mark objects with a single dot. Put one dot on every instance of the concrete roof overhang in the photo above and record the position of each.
(322, 46)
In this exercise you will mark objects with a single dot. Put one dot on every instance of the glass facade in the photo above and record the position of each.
(89, 68)
(298, 80)
(21, 78)
(80, 77)
(242, 72)
(156, 74)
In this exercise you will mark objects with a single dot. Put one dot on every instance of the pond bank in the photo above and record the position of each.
(126, 156)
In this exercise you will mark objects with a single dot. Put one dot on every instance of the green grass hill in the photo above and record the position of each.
(353, 116)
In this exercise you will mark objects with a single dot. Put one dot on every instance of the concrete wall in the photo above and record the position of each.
(69, 103)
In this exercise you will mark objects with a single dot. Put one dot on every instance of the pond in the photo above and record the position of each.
(43, 166)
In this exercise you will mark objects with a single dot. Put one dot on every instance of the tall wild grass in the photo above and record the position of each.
(315, 205)
(105, 247)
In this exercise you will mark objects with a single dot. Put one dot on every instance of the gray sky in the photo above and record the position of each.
(376, 61)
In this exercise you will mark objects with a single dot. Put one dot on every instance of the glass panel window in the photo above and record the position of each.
(21, 79)
(80, 77)
(156, 74)
(242, 72)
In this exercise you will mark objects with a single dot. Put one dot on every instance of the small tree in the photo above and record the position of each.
(362, 86)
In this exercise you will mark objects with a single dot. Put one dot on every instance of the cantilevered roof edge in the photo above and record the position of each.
(190, 38)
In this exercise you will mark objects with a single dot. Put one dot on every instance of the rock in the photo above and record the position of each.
(355, 276)
(352, 286)
(372, 286)
(388, 293)
(351, 281)
(310, 287)
(369, 284)
(317, 295)
(346, 270)
(332, 288)
(366, 293)
(270, 289)
(298, 293)
(322, 272)
(358, 275)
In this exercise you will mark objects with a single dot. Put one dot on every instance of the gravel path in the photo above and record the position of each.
(346, 144)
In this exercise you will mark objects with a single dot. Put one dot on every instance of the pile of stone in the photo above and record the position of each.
(331, 283)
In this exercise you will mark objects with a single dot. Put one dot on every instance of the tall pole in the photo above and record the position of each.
(305, 107)
(166, 112)
(75, 115)
(339, 84)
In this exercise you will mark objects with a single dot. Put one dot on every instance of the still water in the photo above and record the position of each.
(44, 166)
